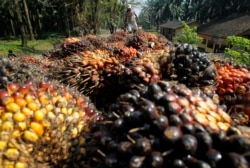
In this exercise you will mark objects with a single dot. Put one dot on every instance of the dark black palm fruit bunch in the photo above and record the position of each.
(159, 125)
(192, 67)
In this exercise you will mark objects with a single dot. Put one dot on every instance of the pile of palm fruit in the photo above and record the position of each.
(127, 100)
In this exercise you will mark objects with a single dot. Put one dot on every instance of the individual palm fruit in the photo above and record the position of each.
(41, 124)
(192, 67)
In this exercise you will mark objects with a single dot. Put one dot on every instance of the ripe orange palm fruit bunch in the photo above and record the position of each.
(40, 122)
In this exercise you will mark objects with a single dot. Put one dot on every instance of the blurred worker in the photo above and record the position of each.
(130, 20)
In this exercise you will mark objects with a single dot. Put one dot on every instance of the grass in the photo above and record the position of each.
(43, 44)
(37, 47)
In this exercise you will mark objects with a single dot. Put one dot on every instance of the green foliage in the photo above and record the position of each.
(34, 48)
(188, 35)
(240, 50)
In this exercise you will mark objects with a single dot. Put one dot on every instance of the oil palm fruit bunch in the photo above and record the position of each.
(41, 125)
(121, 52)
(145, 69)
(88, 71)
(118, 36)
(192, 67)
(69, 47)
(165, 125)
(145, 40)
(43, 63)
(19, 71)
(96, 41)
(232, 82)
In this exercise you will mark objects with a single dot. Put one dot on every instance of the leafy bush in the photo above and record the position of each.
(188, 35)
(240, 50)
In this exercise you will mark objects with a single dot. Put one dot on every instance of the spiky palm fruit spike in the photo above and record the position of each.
(85, 71)
(39, 121)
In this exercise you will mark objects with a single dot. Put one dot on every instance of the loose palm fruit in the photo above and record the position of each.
(42, 125)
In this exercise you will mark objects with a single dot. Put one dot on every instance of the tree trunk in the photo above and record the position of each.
(12, 27)
(20, 22)
(32, 37)
(66, 15)
(95, 16)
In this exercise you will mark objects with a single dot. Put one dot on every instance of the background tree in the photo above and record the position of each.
(20, 22)
(74, 17)
(27, 15)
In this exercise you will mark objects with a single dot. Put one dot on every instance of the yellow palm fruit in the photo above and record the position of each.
(37, 128)
(21, 165)
(44, 99)
(26, 111)
(2, 110)
(64, 110)
(21, 102)
(12, 107)
(12, 154)
(7, 99)
(33, 106)
(30, 136)
(16, 134)
(22, 126)
(29, 98)
(8, 164)
(51, 116)
(7, 126)
(7, 116)
(39, 114)
(3, 145)
(19, 117)
(69, 111)
(74, 132)
(49, 107)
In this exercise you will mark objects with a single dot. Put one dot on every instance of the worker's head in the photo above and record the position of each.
(129, 6)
